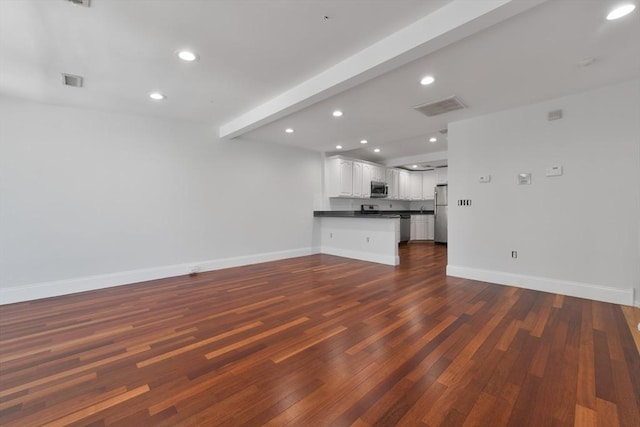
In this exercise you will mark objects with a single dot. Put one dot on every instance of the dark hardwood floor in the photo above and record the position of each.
(319, 341)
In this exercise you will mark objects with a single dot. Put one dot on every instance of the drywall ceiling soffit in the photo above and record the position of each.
(452, 22)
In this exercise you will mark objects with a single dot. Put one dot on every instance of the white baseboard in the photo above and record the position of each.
(89, 283)
(363, 256)
(545, 284)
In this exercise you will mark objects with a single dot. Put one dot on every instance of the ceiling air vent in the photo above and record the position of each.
(440, 107)
(71, 80)
(84, 3)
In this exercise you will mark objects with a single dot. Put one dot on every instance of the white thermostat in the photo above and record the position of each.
(555, 170)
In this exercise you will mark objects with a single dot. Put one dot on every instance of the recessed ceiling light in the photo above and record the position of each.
(414, 166)
(433, 139)
(377, 150)
(427, 80)
(338, 147)
(620, 11)
(288, 130)
(363, 141)
(157, 96)
(188, 56)
(337, 113)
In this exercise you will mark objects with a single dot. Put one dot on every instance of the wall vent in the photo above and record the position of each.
(85, 3)
(554, 115)
(446, 105)
(71, 80)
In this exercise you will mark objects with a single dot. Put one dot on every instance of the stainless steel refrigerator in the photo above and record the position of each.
(441, 213)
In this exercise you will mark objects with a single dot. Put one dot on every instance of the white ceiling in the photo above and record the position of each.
(250, 50)
(266, 65)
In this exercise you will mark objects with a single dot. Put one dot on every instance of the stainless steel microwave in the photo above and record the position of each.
(379, 189)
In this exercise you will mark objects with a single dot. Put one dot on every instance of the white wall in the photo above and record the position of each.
(86, 193)
(576, 234)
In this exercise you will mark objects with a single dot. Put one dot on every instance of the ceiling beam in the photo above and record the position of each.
(452, 22)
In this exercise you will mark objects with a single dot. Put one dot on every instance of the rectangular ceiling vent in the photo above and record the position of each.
(440, 107)
(84, 3)
(71, 80)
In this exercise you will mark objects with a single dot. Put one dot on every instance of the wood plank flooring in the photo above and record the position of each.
(319, 341)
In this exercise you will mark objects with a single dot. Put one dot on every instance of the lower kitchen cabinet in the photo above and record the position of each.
(422, 227)
(430, 226)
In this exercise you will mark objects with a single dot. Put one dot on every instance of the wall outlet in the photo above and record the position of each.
(514, 254)
(367, 240)
(331, 235)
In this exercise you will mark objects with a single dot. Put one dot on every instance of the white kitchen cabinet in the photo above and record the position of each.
(357, 179)
(413, 234)
(441, 175)
(422, 227)
(339, 177)
(375, 174)
(428, 184)
(404, 185)
(367, 171)
(430, 226)
(418, 227)
(392, 180)
(346, 177)
(415, 185)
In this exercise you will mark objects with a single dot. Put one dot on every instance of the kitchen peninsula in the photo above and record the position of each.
(367, 234)
(363, 236)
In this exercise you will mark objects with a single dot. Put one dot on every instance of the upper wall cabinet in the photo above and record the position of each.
(339, 177)
(393, 182)
(357, 179)
(441, 176)
(367, 175)
(428, 184)
(415, 185)
(348, 178)
(404, 185)
(352, 178)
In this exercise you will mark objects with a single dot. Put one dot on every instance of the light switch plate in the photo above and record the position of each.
(555, 170)
(485, 178)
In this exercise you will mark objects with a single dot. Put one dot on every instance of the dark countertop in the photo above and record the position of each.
(358, 214)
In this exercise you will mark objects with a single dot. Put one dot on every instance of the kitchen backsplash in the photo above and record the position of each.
(354, 204)
(421, 204)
